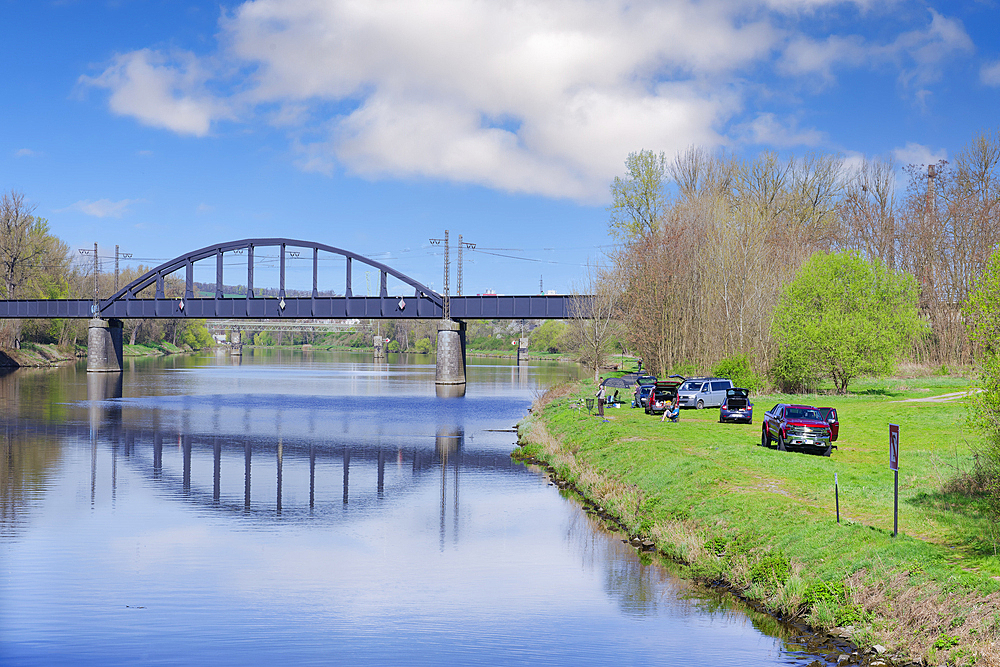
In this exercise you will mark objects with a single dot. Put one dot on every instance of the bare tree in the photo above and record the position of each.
(595, 310)
(868, 211)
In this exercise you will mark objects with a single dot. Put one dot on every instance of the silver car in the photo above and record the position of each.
(703, 392)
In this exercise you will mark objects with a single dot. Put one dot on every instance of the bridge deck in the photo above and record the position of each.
(338, 307)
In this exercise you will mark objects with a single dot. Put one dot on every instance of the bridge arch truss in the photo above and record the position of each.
(423, 302)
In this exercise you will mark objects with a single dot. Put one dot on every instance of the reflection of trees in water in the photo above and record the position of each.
(639, 589)
(728, 606)
(26, 461)
(642, 588)
(25, 465)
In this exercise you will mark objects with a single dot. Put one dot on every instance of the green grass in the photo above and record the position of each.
(150, 349)
(712, 485)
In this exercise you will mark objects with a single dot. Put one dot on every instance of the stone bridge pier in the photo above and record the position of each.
(236, 343)
(104, 346)
(450, 353)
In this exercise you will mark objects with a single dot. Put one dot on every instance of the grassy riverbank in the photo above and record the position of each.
(711, 498)
(36, 355)
(152, 349)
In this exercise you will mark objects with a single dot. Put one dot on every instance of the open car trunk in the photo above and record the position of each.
(737, 402)
(737, 399)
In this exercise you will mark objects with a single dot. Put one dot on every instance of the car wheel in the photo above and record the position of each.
(829, 450)
(765, 439)
(701, 405)
(781, 443)
(750, 422)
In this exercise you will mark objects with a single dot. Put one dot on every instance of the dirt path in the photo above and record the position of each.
(941, 398)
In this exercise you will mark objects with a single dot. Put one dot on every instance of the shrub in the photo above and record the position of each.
(827, 591)
(770, 571)
(737, 369)
(841, 317)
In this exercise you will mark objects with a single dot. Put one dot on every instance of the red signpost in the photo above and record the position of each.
(894, 467)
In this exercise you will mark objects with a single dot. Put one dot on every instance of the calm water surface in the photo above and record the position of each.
(299, 508)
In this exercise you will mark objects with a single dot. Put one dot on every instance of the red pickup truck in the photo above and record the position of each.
(801, 427)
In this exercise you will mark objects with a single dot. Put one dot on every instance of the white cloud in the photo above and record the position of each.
(766, 129)
(26, 152)
(161, 91)
(102, 208)
(519, 95)
(805, 55)
(989, 74)
(919, 54)
(925, 51)
(913, 153)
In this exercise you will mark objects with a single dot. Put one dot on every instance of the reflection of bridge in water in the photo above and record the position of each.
(265, 477)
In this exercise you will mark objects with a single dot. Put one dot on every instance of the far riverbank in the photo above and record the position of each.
(731, 513)
(42, 355)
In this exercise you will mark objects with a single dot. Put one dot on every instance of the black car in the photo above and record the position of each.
(737, 406)
(644, 385)
(642, 393)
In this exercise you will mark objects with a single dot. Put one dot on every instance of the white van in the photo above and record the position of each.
(703, 392)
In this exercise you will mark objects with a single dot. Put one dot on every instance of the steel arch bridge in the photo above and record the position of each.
(421, 303)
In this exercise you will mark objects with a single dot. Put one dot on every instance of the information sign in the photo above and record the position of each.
(893, 447)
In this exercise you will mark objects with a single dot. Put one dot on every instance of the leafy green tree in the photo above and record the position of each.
(33, 263)
(549, 337)
(424, 346)
(738, 369)
(638, 200)
(195, 335)
(982, 314)
(843, 317)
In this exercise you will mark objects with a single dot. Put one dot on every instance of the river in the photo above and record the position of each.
(316, 508)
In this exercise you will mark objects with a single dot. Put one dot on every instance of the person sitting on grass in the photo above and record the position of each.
(673, 413)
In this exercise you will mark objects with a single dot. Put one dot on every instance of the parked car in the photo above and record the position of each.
(644, 385)
(737, 406)
(704, 392)
(663, 395)
(642, 393)
(799, 426)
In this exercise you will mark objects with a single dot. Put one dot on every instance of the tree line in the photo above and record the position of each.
(709, 243)
(36, 264)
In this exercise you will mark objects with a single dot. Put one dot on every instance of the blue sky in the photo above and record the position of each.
(164, 126)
